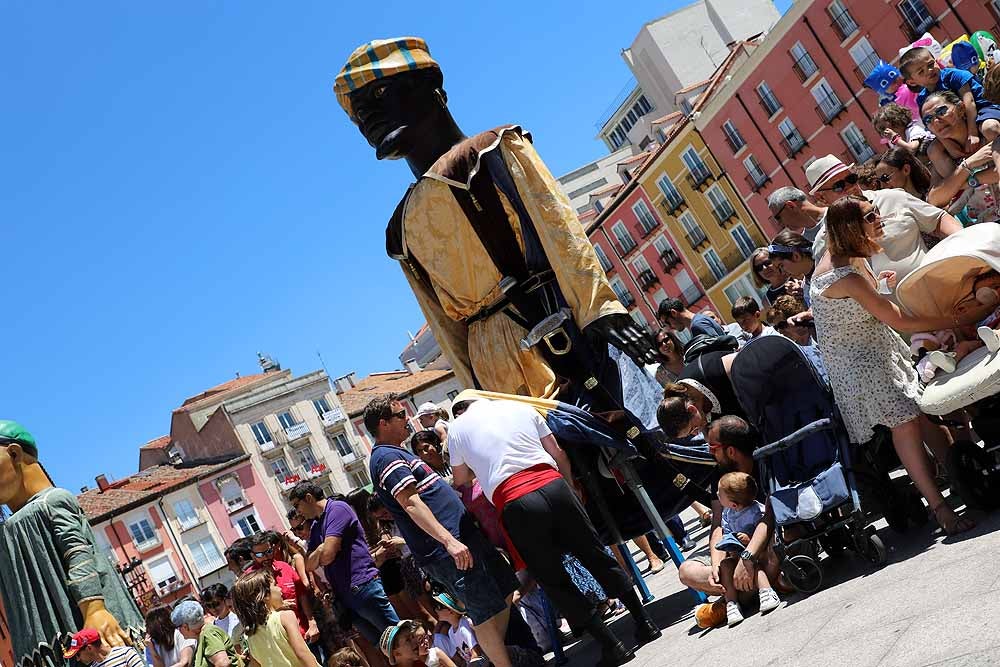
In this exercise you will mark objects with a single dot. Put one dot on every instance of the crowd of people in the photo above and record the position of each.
(475, 532)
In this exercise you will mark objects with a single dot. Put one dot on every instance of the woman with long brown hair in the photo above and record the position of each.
(272, 632)
(899, 168)
(169, 647)
(869, 366)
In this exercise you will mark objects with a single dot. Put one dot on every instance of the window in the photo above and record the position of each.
(186, 514)
(659, 296)
(247, 524)
(864, 55)
(625, 240)
(602, 258)
(666, 252)
(802, 62)
(741, 287)
(286, 419)
(646, 220)
(791, 140)
(640, 319)
(640, 264)
(714, 263)
(280, 468)
(916, 15)
(453, 394)
(359, 478)
(721, 206)
(767, 99)
(621, 291)
(161, 573)
(692, 230)
(321, 405)
(756, 175)
(232, 492)
(104, 544)
(588, 188)
(307, 458)
(142, 532)
(856, 143)
(743, 241)
(261, 433)
(695, 165)
(670, 193)
(733, 136)
(842, 20)
(690, 292)
(207, 558)
(828, 104)
(644, 104)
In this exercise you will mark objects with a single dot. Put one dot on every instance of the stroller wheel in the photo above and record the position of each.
(875, 550)
(803, 573)
(972, 476)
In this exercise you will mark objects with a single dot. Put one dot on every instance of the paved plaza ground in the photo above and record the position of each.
(935, 602)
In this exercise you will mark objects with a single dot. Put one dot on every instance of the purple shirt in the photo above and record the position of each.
(353, 565)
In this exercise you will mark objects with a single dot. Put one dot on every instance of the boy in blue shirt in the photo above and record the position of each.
(921, 70)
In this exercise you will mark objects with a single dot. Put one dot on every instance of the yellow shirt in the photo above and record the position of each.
(269, 645)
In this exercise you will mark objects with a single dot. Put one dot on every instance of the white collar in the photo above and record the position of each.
(706, 392)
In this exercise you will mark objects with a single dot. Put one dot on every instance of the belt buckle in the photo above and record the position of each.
(553, 348)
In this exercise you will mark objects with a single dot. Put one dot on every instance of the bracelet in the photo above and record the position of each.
(965, 165)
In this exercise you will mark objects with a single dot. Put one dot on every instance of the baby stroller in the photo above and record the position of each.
(945, 278)
(807, 463)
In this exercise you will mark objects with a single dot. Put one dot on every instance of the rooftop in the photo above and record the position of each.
(221, 390)
(693, 86)
(158, 443)
(142, 487)
(356, 398)
(673, 115)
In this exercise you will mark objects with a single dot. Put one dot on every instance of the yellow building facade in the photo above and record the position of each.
(714, 230)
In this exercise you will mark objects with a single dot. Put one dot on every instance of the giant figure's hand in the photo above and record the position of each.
(96, 617)
(622, 331)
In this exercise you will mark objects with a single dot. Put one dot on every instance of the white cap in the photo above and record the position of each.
(427, 408)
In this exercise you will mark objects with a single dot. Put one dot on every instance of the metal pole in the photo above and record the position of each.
(555, 637)
(633, 569)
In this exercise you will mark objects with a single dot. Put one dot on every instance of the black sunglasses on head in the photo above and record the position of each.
(842, 184)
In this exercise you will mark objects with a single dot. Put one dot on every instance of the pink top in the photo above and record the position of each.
(907, 98)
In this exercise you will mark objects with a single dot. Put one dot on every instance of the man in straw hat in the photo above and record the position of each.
(488, 242)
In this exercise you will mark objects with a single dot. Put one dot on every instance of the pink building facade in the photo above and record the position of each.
(800, 94)
(641, 258)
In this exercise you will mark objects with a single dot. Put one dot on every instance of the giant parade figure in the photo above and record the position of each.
(54, 580)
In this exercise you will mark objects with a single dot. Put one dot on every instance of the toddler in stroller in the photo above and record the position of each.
(742, 520)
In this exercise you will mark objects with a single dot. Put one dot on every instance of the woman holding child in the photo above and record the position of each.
(869, 365)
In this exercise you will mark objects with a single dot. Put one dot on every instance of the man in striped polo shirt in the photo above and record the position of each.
(87, 647)
(441, 534)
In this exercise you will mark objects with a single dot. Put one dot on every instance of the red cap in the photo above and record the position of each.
(81, 640)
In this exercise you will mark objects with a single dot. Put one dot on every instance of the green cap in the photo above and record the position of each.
(12, 432)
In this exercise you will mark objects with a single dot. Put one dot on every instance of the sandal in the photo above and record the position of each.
(957, 524)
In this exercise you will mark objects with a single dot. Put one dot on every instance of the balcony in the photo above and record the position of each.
(706, 278)
(843, 24)
(236, 504)
(318, 470)
(296, 431)
(866, 66)
(289, 481)
(672, 207)
(805, 67)
(333, 417)
(669, 259)
(736, 142)
(352, 461)
(829, 108)
(272, 447)
(647, 279)
(793, 144)
(915, 26)
(625, 247)
(645, 229)
(757, 181)
(769, 103)
(723, 213)
(699, 177)
(695, 238)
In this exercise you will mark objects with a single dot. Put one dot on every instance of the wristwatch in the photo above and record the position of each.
(747, 555)
(973, 181)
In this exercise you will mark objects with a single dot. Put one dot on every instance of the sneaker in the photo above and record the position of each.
(769, 600)
(688, 544)
(733, 614)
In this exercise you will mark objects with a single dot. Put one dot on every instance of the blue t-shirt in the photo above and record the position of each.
(392, 470)
(703, 324)
(954, 79)
(353, 565)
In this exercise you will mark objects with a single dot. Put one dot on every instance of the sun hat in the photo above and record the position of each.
(448, 601)
(80, 641)
(388, 640)
(822, 170)
(427, 408)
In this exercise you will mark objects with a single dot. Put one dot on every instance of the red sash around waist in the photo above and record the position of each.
(517, 485)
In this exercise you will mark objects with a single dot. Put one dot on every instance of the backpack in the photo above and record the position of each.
(703, 343)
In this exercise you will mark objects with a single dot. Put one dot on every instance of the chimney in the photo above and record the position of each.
(412, 366)
(346, 382)
(102, 483)
(84, 488)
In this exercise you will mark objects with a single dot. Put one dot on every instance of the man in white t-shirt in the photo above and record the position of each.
(509, 448)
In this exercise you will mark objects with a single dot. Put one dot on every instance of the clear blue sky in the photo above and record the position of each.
(181, 190)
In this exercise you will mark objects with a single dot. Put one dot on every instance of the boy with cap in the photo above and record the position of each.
(48, 538)
(88, 649)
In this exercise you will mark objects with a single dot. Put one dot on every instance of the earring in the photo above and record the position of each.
(442, 100)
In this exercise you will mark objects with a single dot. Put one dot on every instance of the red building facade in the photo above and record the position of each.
(800, 95)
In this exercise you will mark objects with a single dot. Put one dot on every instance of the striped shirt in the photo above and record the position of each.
(122, 656)
(393, 469)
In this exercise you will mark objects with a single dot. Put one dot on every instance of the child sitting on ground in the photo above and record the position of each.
(922, 71)
(407, 644)
(897, 127)
(461, 638)
(742, 516)
(272, 633)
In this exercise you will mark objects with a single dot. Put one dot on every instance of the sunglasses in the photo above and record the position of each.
(398, 415)
(777, 215)
(842, 184)
(762, 265)
(884, 178)
(261, 554)
(299, 527)
(935, 114)
(872, 215)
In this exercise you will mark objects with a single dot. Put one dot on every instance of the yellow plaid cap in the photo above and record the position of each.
(377, 60)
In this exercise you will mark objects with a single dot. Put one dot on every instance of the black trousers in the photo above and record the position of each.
(549, 522)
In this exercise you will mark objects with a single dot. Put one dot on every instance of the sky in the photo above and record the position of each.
(179, 190)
